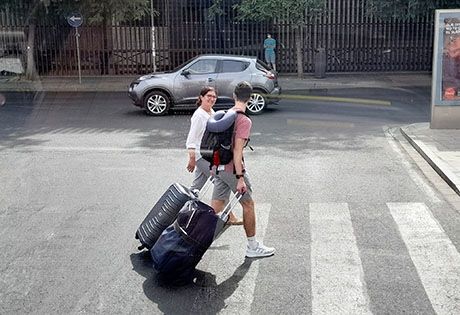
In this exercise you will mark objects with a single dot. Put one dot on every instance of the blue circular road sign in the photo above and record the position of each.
(75, 19)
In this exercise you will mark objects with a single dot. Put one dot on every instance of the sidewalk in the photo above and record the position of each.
(287, 83)
(441, 148)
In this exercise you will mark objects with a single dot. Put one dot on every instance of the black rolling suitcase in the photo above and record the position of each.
(164, 212)
(182, 245)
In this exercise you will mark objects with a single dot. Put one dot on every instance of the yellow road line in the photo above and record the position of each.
(319, 123)
(335, 99)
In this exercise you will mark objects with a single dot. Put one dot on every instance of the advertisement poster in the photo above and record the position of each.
(451, 60)
(446, 66)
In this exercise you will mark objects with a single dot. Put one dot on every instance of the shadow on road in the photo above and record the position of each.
(102, 120)
(203, 296)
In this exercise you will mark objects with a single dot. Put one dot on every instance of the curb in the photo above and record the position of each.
(436, 163)
(362, 101)
(102, 88)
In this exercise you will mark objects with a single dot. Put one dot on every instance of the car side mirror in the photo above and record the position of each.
(185, 72)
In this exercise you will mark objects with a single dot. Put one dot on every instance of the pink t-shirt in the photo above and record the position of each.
(242, 130)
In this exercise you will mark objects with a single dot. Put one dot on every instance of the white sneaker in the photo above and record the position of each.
(260, 251)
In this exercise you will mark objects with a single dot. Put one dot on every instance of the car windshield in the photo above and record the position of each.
(183, 64)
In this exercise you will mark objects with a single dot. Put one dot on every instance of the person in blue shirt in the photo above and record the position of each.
(269, 46)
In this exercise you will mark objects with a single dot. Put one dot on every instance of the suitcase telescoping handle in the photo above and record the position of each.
(230, 205)
(222, 225)
(205, 187)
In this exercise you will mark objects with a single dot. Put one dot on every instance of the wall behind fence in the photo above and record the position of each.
(354, 41)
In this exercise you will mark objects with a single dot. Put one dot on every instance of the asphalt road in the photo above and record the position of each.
(357, 227)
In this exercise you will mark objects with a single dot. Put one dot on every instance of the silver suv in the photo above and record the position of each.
(158, 93)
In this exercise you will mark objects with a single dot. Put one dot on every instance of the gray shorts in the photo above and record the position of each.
(202, 173)
(226, 182)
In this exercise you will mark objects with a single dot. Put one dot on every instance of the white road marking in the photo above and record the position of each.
(435, 257)
(320, 123)
(336, 271)
(354, 101)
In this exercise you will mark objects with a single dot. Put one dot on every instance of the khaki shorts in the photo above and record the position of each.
(226, 182)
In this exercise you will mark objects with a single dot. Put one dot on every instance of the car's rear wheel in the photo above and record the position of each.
(157, 103)
(257, 103)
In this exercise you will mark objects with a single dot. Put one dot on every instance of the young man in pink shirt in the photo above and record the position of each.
(233, 176)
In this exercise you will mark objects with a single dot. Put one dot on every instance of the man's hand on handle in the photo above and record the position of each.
(241, 186)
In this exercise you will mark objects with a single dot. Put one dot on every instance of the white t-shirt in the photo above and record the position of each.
(197, 127)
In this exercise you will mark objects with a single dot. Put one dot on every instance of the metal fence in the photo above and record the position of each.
(354, 41)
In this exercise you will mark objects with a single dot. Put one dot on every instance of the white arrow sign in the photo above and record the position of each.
(75, 19)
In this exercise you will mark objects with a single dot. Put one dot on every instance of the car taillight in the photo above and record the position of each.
(270, 75)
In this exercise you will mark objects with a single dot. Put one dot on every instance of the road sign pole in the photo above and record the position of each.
(75, 20)
(77, 36)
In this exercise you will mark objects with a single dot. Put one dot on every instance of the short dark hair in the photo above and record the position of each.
(243, 91)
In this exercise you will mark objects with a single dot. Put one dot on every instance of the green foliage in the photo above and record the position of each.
(291, 10)
(119, 10)
(92, 10)
(408, 9)
(216, 9)
(261, 10)
(296, 12)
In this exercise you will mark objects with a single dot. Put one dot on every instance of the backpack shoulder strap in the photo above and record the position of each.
(244, 113)
(249, 139)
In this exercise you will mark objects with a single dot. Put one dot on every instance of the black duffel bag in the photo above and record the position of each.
(182, 245)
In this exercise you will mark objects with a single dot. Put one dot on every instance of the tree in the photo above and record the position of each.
(101, 11)
(408, 9)
(29, 18)
(104, 11)
(297, 12)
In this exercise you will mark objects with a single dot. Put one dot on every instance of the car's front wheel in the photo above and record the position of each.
(156, 103)
(256, 104)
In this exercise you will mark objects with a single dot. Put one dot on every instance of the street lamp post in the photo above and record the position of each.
(153, 37)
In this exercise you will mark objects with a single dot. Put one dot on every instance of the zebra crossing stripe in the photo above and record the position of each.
(435, 257)
(336, 271)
